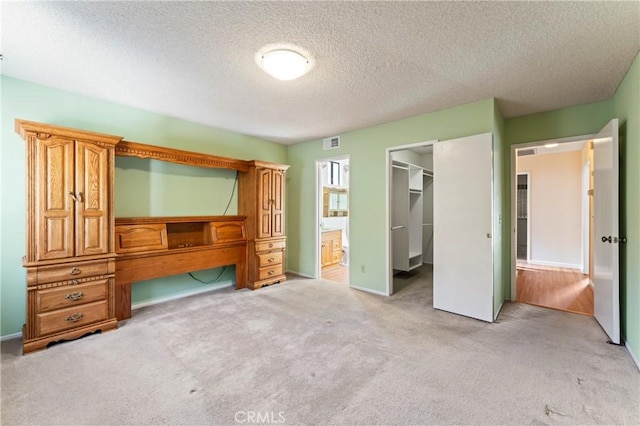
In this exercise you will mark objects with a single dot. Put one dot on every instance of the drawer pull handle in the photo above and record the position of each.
(272, 259)
(270, 245)
(74, 318)
(76, 295)
(272, 272)
(75, 271)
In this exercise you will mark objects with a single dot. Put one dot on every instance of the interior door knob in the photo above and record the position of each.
(605, 239)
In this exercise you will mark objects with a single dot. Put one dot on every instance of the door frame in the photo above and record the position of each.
(318, 215)
(586, 218)
(387, 201)
(514, 194)
(528, 175)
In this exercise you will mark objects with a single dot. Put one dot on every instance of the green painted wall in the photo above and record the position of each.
(366, 148)
(143, 187)
(626, 107)
(577, 120)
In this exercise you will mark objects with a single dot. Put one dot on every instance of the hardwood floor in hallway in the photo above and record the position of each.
(558, 288)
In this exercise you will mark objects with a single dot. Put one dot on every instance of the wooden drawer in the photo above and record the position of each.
(71, 295)
(270, 245)
(64, 319)
(139, 238)
(269, 259)
(269, 272)
(337, 244)
(336, 257)
(72, 271)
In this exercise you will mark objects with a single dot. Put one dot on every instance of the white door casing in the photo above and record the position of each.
(463, 226)
(606, 292)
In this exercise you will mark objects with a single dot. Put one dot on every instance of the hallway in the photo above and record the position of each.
(558, 288)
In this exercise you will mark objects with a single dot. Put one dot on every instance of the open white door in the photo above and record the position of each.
(606, 294)
(462, 220)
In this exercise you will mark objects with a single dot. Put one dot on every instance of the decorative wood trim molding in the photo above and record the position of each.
(140, 150)
(44, 131)
(258, 163)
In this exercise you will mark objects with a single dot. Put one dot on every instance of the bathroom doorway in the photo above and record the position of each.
(332, 195)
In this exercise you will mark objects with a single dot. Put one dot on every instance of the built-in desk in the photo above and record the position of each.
(154, 247)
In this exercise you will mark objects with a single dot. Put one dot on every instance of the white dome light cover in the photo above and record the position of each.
(283, 63)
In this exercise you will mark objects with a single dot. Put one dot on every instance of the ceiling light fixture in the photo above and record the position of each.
(550, 145)
(283, 63)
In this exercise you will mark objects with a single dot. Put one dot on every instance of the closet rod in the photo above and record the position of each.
(399, 167)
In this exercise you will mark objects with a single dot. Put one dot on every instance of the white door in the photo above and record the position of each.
(462, 220)
(606, 296)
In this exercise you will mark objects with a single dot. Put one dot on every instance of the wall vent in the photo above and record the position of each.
(529, 151)
(331, 143)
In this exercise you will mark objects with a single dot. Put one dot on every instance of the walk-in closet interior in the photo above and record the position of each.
(412, 208)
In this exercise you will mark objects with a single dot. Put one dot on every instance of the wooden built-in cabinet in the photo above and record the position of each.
(70, 256)
(262, 200)
(81, 262)
(331, 248)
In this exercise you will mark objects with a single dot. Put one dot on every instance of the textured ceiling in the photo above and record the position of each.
(375, 62)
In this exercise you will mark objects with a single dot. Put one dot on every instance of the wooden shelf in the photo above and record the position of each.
(140, 150)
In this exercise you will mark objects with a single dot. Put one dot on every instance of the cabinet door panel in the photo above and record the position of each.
(54, 206)
(277, 205)
(264, 203)
(92, 189)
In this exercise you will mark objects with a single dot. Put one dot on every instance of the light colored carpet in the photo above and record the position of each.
(316, 352)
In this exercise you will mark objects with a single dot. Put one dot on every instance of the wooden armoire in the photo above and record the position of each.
(261, 198)
(70, 255)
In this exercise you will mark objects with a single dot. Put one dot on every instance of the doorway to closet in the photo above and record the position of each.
(564, 198)
(332, 195)
(465, 225)
(411, 214)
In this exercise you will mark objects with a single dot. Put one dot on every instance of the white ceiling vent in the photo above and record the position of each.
(331, 143)
(530, 151)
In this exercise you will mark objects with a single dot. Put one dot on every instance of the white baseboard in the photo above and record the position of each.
(179, 296)
(11, 336)
(368, 290)
(555, 264)
(633, 355)
(301, 274)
